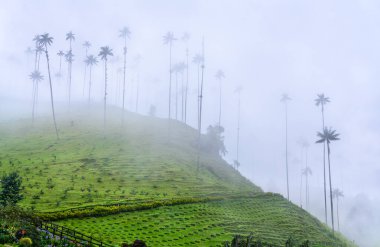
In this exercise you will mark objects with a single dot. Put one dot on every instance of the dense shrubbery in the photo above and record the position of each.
(239, 241)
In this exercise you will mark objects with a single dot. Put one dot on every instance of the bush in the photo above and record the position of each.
(25, 242)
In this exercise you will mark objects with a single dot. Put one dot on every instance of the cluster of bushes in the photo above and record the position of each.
(239, 241)
(104, 210)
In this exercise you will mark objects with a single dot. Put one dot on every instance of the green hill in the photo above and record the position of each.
(146, 171)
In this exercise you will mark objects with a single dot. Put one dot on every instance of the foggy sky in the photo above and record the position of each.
(268, 47)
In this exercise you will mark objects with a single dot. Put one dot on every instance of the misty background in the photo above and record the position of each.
(269, 47)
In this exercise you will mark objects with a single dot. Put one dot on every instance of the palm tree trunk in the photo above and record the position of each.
(301, 190)
(337, 211)
(220, 102)
(105, 96)
(182, 99)
(176, 96)
(51, 92)
(70, 64)
(170, 78)
(324, 165)
(34, 99)
(200, 108)
(89, 86)
(137, 92)
(331, 195)
(187, 82)
(286, 149)
(238, 131)
(124, 70)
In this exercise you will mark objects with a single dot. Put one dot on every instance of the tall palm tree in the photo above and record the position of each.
(124, 33)
(197, 59)
(238, 91)
(321, 100)
(185, 38)
(37, 50)
(168, 40)
(336, 194)
(60, 54)
(90, 61)
(45, 40)
(327, 136)
(306, 172)
(36, 78)
(87, 46)
(70, 37)
(285, 98)
(219, 76)
(200, 96)
(105, 51)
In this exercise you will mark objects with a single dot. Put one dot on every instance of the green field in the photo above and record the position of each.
(146, 160)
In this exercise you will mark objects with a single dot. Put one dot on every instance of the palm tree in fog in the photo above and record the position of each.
(105, 51)
(285, 98)
(321, 100)
(197, 59)
(86, 45)
(168, 40)
(45, 40)
(36, 78)
(327, 136)
(238, 91)
(124, 34)
(185, 38)
(90, 61)
(306, 172)
(219, 76)
(38, 50)
(336, 194)
(200, 99)
(60, 55)
(70, 37)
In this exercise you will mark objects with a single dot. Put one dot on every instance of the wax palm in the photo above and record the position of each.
(70, 37)
(90, 61)
(36, 77)
(198, 59)
(185, 38)
(238, 92)
(321, 100)
(39, 51)
(60, 54)
(104, 53)
(285, 98)
(336, 194)
(327, 136)
(87, 46)
(307, 172)
(168, 40)
(200, 99)
(220, 76)
(45, 40)
(124, 33)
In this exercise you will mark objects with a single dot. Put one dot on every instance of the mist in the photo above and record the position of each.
(268, 48)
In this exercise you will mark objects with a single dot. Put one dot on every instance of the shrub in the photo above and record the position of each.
(25, 242)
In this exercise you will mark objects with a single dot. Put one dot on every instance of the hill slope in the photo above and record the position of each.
(145, 160)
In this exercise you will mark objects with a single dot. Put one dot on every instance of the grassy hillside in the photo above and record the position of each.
(147, 161)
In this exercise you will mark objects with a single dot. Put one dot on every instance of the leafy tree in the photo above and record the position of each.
(327, 136)
(168, 40)
(285, 98)
(45, 41)
(322, 101)
(10, 192)
(213, 141)
(105, 51)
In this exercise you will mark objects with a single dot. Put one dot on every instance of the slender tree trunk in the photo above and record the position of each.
(176, 95)
(182, 99)
(34, 99)
(301, 189)
(200, 108)
(124, 70)
(51, 92)
(89, 86)
(331, 195)
(238, 131)
(324, 165)
(70, 64)
(137, 92)
(85, 74)
(220, 102)
(105, 96)
(198, 92)
(286, 149)
(337, 211)
(170, 78)
(187, 82)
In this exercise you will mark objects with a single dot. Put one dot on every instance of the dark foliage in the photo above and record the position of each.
(10, 192)
(213, 141)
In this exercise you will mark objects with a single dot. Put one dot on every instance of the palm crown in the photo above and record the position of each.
(124, 33)
(285, 98)
(70, 36)
(60, 53)
(87, 44)
(321, 100)
(105, 51)
(185, 37)
(36, 76)
(45, 40)
(169, 37)
(219, 75)
(337, 193)
(328, 135)
(91, 60)
(69, 56)
(197, 59)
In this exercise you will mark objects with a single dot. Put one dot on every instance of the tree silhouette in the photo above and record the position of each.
(87, 46)
(90, 61)
(321, 101)
(200, 96)
(168, 40)
(238, 91)
(105, 51)
(70, 37)
(36, 78)
(327, 136)
(45, 41)
(178, 69)
(220, 76)
(38, 50)
(185, 38)
(306, 172)
(336, 194)
(60, 55)
(197, 59)
(124, 33)
(285, 98)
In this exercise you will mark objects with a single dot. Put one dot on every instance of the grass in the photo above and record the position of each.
(145, 160)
